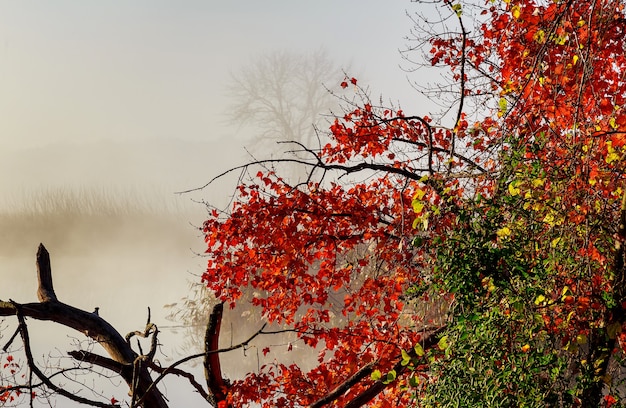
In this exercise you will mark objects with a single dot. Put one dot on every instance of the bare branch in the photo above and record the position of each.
(90, 324)
(169, 369)
(212, 369)
(35, 370)
(45, 290)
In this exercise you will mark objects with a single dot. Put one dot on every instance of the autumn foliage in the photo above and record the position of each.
(505, 214)
(467, 256)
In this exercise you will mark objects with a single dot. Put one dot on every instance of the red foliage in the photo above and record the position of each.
(332, 260)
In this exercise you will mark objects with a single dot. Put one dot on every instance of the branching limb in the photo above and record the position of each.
(376, 388)
(169, 369)
(101, 361)
(45, 380)
(192, 380)
(150, 329)
(90, 324)
(345, 386)
(212, 369)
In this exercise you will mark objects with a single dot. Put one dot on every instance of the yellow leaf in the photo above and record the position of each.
(513, 190)
(554, 243)
(418, 206)
(549, 219)
(419, 194)
(574, 59)
(503, 104)
(503, 232)
(416, 222)
(418, 350)
(443, 343)
(581, 339)
(540, 299)
(515, 11)
(540, 36)
(573, 347)
(611, 157)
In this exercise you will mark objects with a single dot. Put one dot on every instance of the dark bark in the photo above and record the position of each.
(45, 290)
(212, 369)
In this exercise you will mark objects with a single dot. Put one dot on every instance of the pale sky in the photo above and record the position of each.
(120, 70)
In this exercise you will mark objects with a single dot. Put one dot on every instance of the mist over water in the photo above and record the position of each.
(119, 236)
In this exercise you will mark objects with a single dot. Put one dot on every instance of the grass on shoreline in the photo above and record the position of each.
(81, 220)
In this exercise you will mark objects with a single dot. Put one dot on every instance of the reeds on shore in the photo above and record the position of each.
(79, 219)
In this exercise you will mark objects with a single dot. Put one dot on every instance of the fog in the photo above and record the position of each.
(110, 108)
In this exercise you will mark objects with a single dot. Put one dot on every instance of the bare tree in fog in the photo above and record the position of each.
(284, 95)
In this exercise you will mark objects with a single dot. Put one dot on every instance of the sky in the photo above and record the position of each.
(83, 71)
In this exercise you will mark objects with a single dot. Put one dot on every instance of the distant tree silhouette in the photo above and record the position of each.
(284, 95)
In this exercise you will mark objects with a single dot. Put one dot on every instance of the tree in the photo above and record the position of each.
(508, 209)
(475, 258)
(284, 96)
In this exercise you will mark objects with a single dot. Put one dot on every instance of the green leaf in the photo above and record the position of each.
(391, 376)
(406, 359)
(443, 343)
(376, 375)
(418, 350)
(457, 9)
(503, 105)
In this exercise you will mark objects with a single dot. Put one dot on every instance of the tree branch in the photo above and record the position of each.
(90, 324)
(344, 386)
(45, 290)
(35, 370)
(170, 369)
(376, 388)
(212, 370)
